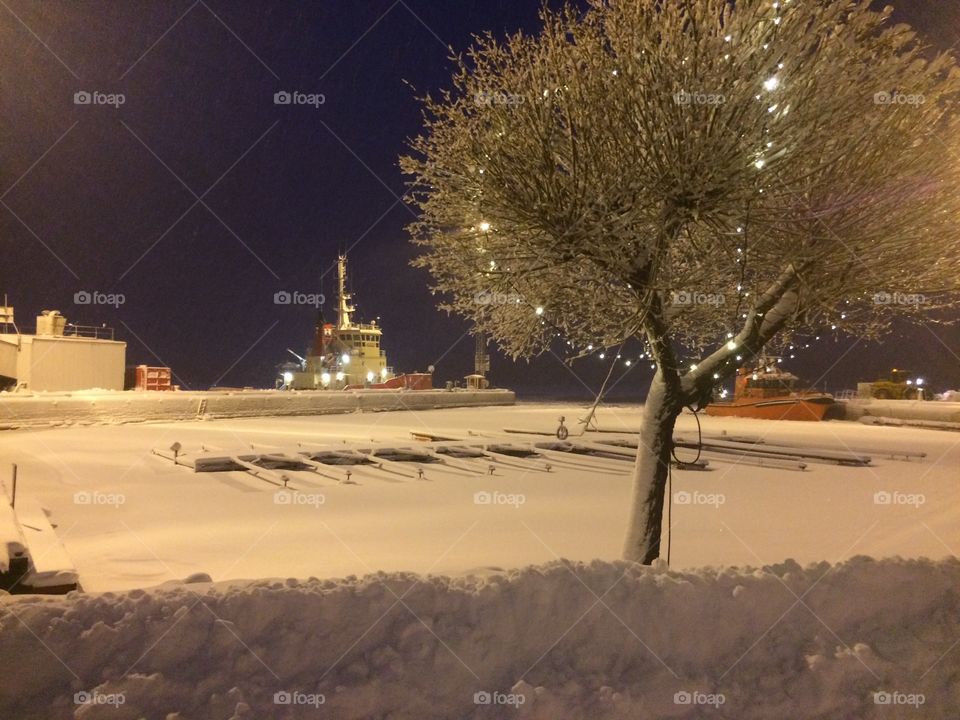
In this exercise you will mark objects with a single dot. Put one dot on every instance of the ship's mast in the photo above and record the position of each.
(345, 309)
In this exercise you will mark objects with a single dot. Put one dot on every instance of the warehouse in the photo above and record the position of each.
(59, 356)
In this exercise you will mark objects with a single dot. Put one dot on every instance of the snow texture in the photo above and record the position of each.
(563, 640)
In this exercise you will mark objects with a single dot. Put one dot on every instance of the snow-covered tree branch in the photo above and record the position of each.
(707, 178)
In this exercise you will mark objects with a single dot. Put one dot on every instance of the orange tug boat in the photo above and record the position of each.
(768, 393)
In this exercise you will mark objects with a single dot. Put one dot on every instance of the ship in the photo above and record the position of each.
(769, 393)
(346, 355)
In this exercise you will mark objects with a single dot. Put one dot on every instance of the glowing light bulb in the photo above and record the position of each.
(539, 310)
(484, 226)
(771, 84)
(732, 346)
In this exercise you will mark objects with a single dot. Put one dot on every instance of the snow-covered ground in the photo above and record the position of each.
(132, 519)
(865, 640)
(835, 636)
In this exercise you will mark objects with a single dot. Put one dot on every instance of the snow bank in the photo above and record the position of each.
(864, 639)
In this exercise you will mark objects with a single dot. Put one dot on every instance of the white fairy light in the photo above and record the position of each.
(539, 310)
(771, 84)
(484, 226)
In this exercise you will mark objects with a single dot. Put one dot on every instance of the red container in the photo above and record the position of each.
(153, 378)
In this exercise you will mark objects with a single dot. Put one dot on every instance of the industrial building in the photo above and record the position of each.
(59, 356)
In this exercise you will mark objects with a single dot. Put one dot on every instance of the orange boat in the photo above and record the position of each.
(769, 393)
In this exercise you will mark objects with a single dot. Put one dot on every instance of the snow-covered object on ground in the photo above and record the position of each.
(863, 639)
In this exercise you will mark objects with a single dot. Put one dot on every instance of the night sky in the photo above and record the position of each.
(198, 198)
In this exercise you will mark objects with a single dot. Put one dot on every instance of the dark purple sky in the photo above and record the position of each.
(199, 198)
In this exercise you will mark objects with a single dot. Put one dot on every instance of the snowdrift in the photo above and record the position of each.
(862, 639)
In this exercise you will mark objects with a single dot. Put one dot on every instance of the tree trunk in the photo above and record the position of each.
(650, 471)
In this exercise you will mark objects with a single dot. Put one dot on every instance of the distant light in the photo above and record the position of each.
(731, 345)
(484, 226)
(602, 355)
(325, 378)
(716, 376)
(909, 382)
(539, 310)
(340, 376)
(919, 381)
(739, 357)
(288, 378)
(728, 38)
(771, 84)
(345, 358)
(370, 375)
(693, 367)
(759, 164)
(383, 373)
(629, 363)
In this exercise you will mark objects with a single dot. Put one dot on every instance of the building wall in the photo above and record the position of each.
(49, 363)
(8, 356)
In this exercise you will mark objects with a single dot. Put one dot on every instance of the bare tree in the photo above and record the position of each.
(710, 179)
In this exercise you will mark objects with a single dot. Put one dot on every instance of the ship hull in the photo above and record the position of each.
(787, 408)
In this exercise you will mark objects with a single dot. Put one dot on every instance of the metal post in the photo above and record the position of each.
(13, 499)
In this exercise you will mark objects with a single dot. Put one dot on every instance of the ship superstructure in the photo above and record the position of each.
(344, 354)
